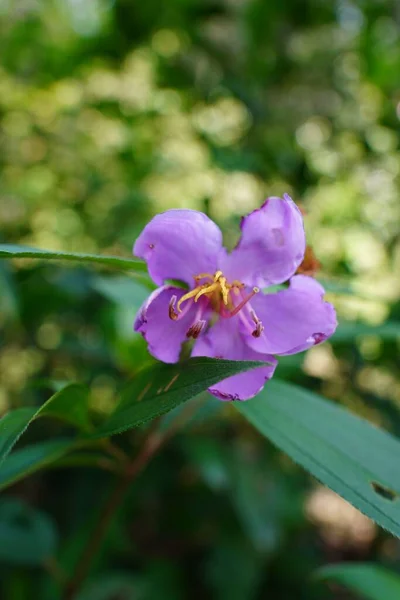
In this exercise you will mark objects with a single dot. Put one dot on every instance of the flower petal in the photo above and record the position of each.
(224, 340)
(294, 319)
(163, 335)
(179, 244)
(272, 245)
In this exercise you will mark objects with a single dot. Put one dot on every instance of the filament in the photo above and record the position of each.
(238, 308)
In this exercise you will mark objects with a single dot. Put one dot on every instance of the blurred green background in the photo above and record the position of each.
(112, 111)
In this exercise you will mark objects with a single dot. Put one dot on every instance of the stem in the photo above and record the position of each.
(150, 447)
(114, 450)
(55, 570)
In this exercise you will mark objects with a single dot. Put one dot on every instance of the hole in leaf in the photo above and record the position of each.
(383, 491)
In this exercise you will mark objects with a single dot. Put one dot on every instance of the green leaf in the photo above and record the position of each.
(12, 426)
(346, 332)
(121, 290)
(160, 388)
(352, 457)
(30, 459)
(371, 581)
(114, 585)
(70, 404)
(337, 286)
(9, 305)
(14, 251)
(27, 536)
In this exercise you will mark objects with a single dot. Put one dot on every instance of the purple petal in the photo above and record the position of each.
(179, 244)
(224, 340)
(272, 245)
(163, 335)
(294, 319)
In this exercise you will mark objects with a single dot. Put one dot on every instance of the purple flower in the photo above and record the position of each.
(224, 311)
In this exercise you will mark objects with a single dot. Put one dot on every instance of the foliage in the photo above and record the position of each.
(109, 113)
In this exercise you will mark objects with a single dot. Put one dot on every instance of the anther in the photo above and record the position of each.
(171, 309)
(203, 276)
(195, 330)
(259, 326)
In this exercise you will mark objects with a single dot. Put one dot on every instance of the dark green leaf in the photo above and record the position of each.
(9, 305)
(30, 459)
(114, 585)
(162, 387)
(12, 426)
(343, 451)
(27, 536)
(69, 404)
(371, 581)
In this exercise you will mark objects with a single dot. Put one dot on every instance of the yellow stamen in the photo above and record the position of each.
(215, 286)
(187, 296)
(224, 289)
(207, 290)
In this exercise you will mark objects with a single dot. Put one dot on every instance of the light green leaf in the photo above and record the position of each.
(69, 404)
(335, 286)
(27, 536)
(15, 251)
(371, 581)
(122, 290)
(30, 459)
(160, 388)
(350, 331)
(352, 457)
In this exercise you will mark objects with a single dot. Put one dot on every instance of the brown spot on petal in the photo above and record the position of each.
(224, 395)
(319, 337)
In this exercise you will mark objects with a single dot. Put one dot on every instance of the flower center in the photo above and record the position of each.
(222, 296)
(215, 288)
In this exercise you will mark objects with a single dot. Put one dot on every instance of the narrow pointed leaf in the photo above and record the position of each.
(15, 251)
(160, 388)
(70, 404)
(348, 454)
(370, 581)
(12, 426)
(30, 459)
